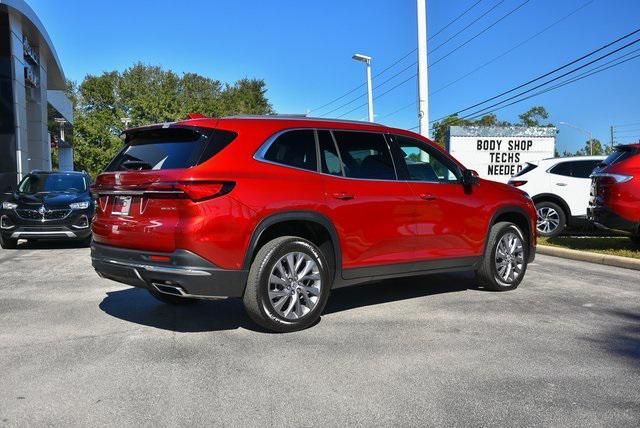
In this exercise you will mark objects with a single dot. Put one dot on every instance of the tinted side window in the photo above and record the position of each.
(365, 155)
(425, 163)
(329, 159)
(294, 148)
(563, 168)
(583, 169)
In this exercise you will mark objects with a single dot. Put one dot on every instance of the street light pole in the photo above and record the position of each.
(423, 79)
(589, 133)
(367, 60)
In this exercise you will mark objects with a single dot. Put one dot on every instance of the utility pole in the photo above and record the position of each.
(423, 78)
(611, 128)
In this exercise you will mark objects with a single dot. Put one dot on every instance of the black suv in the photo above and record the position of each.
(48, 205)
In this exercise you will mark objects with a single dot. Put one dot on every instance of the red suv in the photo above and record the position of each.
(615, 192)
(279, 211)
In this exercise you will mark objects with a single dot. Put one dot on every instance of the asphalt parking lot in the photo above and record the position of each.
(563, 349)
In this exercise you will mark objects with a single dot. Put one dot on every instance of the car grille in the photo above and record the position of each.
(27, 214)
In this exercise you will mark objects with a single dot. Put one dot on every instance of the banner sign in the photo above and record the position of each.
(498, 153)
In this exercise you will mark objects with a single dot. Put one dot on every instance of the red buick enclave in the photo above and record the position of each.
(280, 210)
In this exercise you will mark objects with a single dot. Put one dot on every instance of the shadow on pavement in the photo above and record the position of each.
(138, 306)
(394, 290)
(625, 340)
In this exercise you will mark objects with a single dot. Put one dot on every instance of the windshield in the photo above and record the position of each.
(50, 183)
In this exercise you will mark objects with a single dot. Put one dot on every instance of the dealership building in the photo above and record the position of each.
(498, 152)
(32, 96)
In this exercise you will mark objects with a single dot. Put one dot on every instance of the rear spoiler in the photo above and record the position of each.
(166, 130)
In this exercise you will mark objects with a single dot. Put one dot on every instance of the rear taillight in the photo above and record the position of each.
(517, 183)
(195, 190)
(608, 178)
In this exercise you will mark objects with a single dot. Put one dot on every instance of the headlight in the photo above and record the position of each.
(79, 205)
(9, 206)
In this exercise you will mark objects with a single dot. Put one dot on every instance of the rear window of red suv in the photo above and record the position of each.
(170, 148)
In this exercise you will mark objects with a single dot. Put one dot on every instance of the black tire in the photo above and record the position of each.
(561, 218)
(635, 240)
(488, 275)
(171, 299)
(260, 307)
(8, 243)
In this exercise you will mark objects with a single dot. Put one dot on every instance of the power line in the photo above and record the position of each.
(513, 48)
(566, 82)
(380, 95)
(415, 62)
(411, 104)
(469, 25)
(487, 28)
(551, 80)
(539, 77)
(400, 59)
(365, 94)
(454, 19)
(549, 73)
(626, 125)
(499, 56)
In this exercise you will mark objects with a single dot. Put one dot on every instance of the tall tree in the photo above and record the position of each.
(150, 94)
(531, 117)
(534, 116)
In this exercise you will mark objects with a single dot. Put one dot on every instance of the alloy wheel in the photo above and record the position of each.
(294, 285)
(509, 258)
(548, 220)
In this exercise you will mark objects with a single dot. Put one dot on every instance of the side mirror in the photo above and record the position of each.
(470, 178)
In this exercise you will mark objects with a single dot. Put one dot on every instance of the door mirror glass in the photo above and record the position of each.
(470, 177)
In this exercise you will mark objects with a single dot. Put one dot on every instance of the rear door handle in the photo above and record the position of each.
(342, 196)
(428, 197)
(561, 184)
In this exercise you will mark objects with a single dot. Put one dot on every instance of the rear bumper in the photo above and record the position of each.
(186, 274)
(604, 218)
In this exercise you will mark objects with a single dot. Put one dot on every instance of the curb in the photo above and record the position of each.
(587, 256)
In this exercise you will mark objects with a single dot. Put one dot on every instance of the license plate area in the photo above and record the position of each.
(121, 205)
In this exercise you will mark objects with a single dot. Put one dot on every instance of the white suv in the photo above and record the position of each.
(560, 189)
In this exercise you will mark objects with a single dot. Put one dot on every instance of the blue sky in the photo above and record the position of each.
(303, 51)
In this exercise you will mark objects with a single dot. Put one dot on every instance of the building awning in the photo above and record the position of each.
(62, 104)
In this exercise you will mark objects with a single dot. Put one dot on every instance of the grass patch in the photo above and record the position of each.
(615, 246)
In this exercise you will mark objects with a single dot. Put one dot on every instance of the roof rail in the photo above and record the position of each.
(299, 117)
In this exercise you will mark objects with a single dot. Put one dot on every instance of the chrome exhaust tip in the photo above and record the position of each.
(169, 289)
